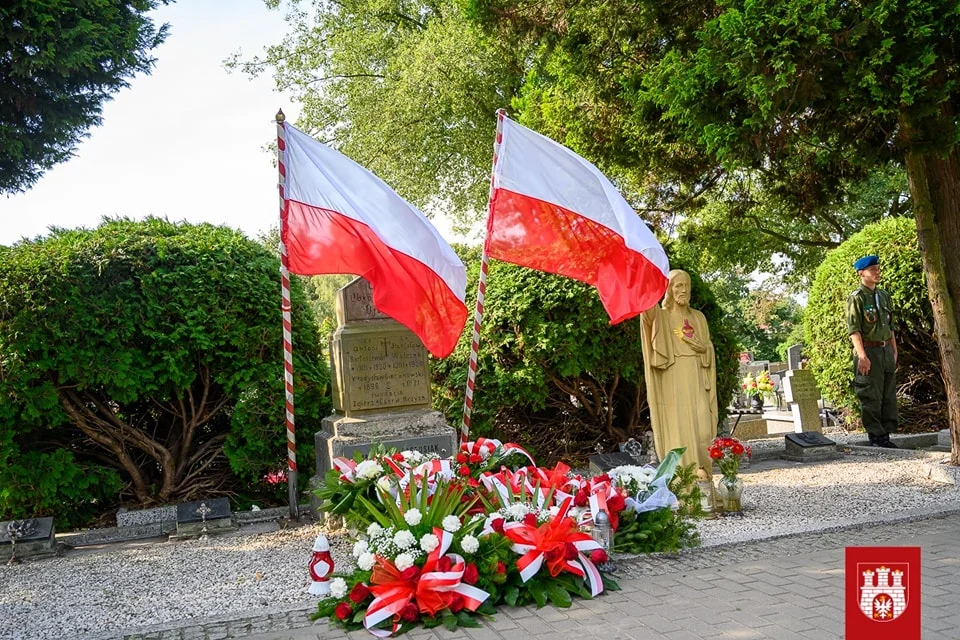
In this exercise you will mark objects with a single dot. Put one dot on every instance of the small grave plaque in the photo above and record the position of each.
(800, 390)
(204, 516)
(603, 462)
(809, 446)
(36, 537)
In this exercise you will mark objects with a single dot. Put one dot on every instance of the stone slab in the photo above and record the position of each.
(800, 390)
(809, 446)
(354, 303)
(794, 356)
(190, 511)
(191, 529)
(34, 530)
(943, 438)
(110, 535)
(137, 517)
(603, 462)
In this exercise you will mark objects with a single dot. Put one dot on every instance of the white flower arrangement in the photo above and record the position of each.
(413, 517)
(413, 458)
(404, 539)
(338, 587)
(429, 542)
(361, 546)
(469, 544)
(451, 523)
(632, 478)
(369, 470)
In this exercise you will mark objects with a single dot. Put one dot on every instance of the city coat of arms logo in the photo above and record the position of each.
(883, 590)
(882, 593)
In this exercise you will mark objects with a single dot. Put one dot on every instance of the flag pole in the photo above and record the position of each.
(287, 329)
(481, 292)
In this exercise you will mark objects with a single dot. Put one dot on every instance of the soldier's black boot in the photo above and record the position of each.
(875, 440)
(886, 443)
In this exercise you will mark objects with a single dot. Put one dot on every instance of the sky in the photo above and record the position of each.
(187, 142)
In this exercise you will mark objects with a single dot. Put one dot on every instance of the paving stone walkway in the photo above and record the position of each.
(786, 589)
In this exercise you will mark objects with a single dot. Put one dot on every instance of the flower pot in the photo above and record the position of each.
(756, 402)
(729, 490)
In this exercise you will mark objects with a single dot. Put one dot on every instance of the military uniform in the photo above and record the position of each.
(870, 314)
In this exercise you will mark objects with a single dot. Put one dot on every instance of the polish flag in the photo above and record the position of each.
(340, 218)
(553, 211)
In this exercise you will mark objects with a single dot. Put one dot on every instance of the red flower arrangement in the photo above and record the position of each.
(728, 453)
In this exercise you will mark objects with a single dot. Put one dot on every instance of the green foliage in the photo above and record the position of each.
(553, 374)
(154, 349)
(60, 61)
(918, 374)
(663, 530)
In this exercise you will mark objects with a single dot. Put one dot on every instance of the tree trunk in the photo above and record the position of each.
(935, 188)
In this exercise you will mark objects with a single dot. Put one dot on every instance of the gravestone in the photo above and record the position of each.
(381, 387)
(943, 438)
(795, 356)
(204, 516)
(35, 538)
(809, 446)
(800, 390)
(603, 462)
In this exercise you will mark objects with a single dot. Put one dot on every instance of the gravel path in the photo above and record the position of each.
(90, 593)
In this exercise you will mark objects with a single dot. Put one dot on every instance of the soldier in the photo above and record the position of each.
(870, 325)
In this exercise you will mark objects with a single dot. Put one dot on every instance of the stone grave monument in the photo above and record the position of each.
(201, 517)
(381, 387)
(800, 390)
(795, 357)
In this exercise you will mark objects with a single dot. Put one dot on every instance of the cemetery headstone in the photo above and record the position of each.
(809, 446)
(28, 538)
(943, 438)
(381, 387)
(204, 516)
(800, 390)
(794, 356)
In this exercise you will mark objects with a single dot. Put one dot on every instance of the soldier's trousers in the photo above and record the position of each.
(877, 391)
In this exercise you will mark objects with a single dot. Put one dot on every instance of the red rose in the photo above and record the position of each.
(398, 457)
(497, 525)
(343, 611)
(473, 483)
(598, 556)
(475, 458)
(501, 568)
(445, 564)
(410, 613)
(456, 603)
(464, 470)
(530, 520)
(716, 454)
(737, 448)
(410, 573)
(581, 499)
(616, 503)
(462, 458)
(470, 574)
(599, 479)
(359, 592)
(570, 551)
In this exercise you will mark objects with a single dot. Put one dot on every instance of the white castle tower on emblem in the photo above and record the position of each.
(885, 600)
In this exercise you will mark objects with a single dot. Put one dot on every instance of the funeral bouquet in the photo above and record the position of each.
(448, 539)
(728, 452)
(757, 385)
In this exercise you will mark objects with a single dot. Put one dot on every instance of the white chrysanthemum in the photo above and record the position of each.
(517, 510)
(413, 517)
(369, 469)
(413, 458)
(338, 587)
(404, 561)
(404, 539)
(451, 523)
(385, 483)
(365, 561)
(374, 529)
(429, 542)
(469, 544)
(361, 546)
(647, 474)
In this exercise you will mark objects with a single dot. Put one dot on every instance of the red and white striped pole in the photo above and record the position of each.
(287, 330)
(481, 292)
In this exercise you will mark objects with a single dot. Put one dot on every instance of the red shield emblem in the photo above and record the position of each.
(883, 592)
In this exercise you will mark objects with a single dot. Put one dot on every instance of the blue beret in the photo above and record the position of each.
(865, 262)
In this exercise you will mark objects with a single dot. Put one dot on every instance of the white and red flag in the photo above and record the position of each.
(553, 211)
(340, 218)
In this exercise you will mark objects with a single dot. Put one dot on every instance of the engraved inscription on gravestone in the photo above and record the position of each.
(800, 390)
(380, 369)
(356, 304)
